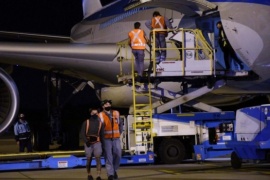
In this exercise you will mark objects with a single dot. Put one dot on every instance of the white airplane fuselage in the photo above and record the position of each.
(245, 23)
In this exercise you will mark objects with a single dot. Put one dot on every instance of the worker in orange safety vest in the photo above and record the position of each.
(112, 145)
(159, 23)
(138, 41)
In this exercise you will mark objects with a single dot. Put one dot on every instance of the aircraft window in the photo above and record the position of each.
(106, 2)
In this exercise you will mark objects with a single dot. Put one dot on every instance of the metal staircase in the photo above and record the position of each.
(143, 123)
(190, 60)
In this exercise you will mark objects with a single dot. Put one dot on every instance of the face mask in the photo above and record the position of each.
(94, 116)
(107, 108)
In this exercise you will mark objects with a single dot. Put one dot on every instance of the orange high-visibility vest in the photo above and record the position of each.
(137, 39)
(158, 22)
(111, 127)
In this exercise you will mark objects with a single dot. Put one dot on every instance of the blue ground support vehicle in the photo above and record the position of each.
(183, 136)
(251, 135)
(177, 137)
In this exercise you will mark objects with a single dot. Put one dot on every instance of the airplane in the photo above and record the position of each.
(93, 55)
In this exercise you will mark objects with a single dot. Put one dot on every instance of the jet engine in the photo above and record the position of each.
(9, 100)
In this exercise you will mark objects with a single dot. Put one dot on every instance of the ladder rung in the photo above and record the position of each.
(144, 142)
(142, 94)
(138, 117)
(138, 105)
(142, 110)
(138, 129)
(142, 126)
(143, 120)
(142, 131)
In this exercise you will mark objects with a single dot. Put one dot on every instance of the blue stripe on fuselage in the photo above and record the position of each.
(120, 17)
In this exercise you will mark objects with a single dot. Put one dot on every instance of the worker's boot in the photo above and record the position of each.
(115, 176)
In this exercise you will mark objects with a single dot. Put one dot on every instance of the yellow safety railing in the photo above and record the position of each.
(201, 48)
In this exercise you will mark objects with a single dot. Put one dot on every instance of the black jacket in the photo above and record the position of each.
(222, 39)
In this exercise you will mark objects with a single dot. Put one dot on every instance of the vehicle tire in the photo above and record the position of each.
(171, 151)
(236, 162)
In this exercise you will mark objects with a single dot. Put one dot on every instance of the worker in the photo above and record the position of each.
(159, 22)
(23, 134)
(92, 133)
(112, 144)
(137, 41)
(227, 49)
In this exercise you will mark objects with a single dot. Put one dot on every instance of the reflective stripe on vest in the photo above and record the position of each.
(158, 22)
(223, 38)
(137, 39)
(111, 130)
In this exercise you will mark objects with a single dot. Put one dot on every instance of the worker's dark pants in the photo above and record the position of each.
(139, 60)
(160, 43)
(25, 143)
(228, 54)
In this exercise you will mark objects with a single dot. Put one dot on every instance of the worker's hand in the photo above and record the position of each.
(175, 30)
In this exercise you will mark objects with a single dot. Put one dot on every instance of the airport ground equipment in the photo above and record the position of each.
(181, 136)
(251, 135)
(61, 160)
(176, 137)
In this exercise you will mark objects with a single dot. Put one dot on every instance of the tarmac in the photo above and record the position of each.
(188, 171)
(218, 170)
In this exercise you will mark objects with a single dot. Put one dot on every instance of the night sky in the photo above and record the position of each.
(55, 17)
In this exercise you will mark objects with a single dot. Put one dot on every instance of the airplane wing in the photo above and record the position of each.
(77, 60)
(30, 37)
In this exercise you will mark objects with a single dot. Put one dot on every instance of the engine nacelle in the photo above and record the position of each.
(9, 100)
